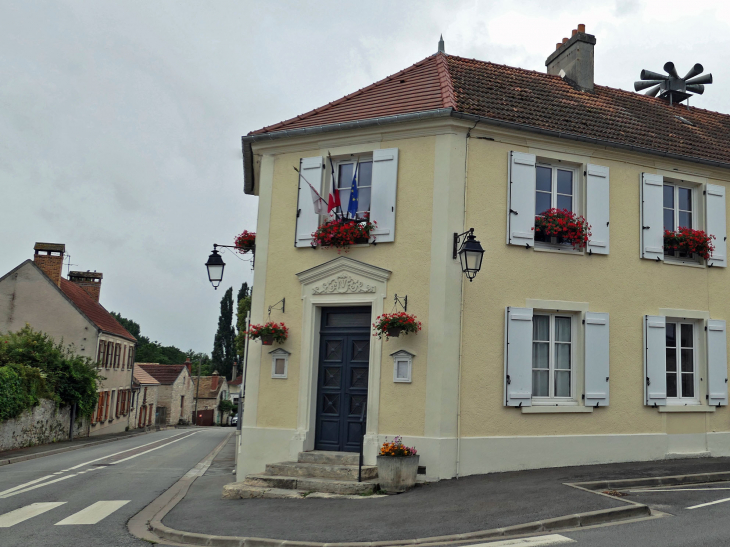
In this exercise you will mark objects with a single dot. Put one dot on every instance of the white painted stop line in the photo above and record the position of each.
(94, 512)
(24, 513)
(537, 541)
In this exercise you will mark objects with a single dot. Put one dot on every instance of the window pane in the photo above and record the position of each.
(541, 327)
(688, 385)
(279, 367)
(565, 182)
(671, 330)
(544, 179)
(562, 356)
(402, 370)
(671, 384)
(345, 198)
(671, 360)
(668, 219)
(562, 384)
(363, 197)
(669, 196)
(348, 320)
(687, 360)
(562, 329)
(540, 386)
(685, 199)
(365, 173)
(542, 202)
(685, 220)
(540, 355)
(565, 202)
(344, 178)
(687, 338)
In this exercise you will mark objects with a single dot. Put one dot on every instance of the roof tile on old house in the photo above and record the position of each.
(206, 391)
(93, 310)
(142, 377)
(237, 382)
(534, 101)
(165, 374)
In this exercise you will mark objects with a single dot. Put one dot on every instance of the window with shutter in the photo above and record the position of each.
(716, 223)
(384, 192)
(521, 200)
(310, 172)
(717, 394)
(655, 367)
(518, 357)
(552, 357)
(652, 223)
(596, 359)
(597, 208)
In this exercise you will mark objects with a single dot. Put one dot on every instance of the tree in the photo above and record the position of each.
(224, 347)
(244, 306)
(203, 359)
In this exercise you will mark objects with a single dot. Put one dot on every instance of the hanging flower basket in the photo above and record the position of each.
(397, 466)
(565, 226)
(687, 240)
(341, 233)
(269, 333)
(245, 242)
(391, 325)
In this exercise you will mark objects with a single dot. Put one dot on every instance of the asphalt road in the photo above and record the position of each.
(85, 497)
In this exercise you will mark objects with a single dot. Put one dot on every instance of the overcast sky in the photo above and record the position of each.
(120, 122)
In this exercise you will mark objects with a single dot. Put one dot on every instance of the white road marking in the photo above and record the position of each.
(37, 486)
(709, 503)
(94, 512)
(537, 541)
(25, 484)
(24, 513)
(676, 490)
(152, 449)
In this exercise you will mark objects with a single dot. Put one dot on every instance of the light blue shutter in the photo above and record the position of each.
(716, 224)
(383, 194)
(518, 357)
(596, 359)
(655, 361)
(521, 200)
(652, 218)
(597, 200)
(716, 363)
(310, 170)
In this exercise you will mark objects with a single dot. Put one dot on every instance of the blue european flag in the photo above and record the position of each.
(354, 197)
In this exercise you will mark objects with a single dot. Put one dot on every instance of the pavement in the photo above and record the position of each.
(449, 507)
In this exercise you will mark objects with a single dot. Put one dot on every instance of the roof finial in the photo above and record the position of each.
(442, 49)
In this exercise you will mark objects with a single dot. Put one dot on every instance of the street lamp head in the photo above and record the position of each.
(215, 267)
(470, 255)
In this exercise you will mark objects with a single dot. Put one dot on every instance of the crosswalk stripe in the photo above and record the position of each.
(94, 512)
(551, 539)
(24, 513)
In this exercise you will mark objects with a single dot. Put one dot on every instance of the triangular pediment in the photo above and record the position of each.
(344, 275)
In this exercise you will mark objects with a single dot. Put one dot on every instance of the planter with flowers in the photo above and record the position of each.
(341, 233)
(562, 226)
(391, 325)
(397, 466)
(689, 242)
(245, 242)
(269, 333)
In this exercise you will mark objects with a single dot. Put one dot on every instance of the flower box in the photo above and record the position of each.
(245, 242)
(560, 226)
(397, 466)
(269, 333)
(690, 242)
(391, 325)
(342, 233)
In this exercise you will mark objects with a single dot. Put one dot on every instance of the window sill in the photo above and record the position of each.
(560, 409)
(686, 408)
(679, 262)
(547, 248)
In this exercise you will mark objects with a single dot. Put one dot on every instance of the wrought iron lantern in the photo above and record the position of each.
(470, 253)
(215, 266)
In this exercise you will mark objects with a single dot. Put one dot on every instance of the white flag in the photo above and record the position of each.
(320, 205)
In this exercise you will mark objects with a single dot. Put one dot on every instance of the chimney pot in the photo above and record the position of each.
(565, 40)
(557, 46)
(50, 263)
(88, 281)
(581, 28)
(575, 31)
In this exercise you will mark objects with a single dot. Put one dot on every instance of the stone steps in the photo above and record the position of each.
(329, 458)
(320, 470)
(310, 484)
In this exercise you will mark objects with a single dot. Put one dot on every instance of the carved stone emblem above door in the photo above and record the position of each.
(343, 284)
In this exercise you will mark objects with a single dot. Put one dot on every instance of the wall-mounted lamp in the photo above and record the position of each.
(470, 253)
(215, 266)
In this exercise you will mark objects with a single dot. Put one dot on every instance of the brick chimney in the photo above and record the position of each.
(89, 281)
(49, 258)
(572, 59)
(214, 381)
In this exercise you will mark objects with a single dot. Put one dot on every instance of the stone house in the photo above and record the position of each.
(213, 389)
(175, 393)
(69, 310)
(235, 389)
(612, 349)
(144, 412)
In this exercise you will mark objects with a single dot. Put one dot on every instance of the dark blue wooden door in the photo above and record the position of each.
(342, 392)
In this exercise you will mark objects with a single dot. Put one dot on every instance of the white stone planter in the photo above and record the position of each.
(397, 474)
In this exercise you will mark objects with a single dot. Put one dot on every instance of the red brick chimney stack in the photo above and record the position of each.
(214, 381)
(90, 282)
(49, 258)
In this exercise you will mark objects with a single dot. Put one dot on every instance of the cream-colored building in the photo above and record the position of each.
(35, 293)
(552, 356)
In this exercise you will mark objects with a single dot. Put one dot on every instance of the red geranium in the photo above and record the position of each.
(341, 233)
(689, 241)
(245, 242)
(279, 331)
(565, 224)
(400, 320)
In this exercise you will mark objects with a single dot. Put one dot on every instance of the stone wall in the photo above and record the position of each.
(170, 396)
(40, 425)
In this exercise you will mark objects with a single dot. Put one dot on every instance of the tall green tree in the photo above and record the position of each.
(244, 306)
(224, 344)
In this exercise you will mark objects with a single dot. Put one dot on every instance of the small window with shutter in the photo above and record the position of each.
(402, 366)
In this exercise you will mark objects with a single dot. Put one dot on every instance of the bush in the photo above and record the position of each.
(21, 388)
(225, 405)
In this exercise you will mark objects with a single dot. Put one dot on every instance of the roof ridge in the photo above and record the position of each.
(332, 104)
(447, 85)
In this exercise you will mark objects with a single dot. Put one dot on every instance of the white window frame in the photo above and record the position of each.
(333, 184)
(406, 357)
(696, 328)
(697, 217)
(551, 399)
(577, 204)
(279, 353)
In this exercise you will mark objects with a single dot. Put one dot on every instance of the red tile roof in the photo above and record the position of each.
(206, 390)
(165, 374)
(534, 101)
(143, 378)
(93, 310)
(237, 382)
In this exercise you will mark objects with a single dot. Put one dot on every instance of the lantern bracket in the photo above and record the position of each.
(273, 306)
(401, 301)
(458, 241)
